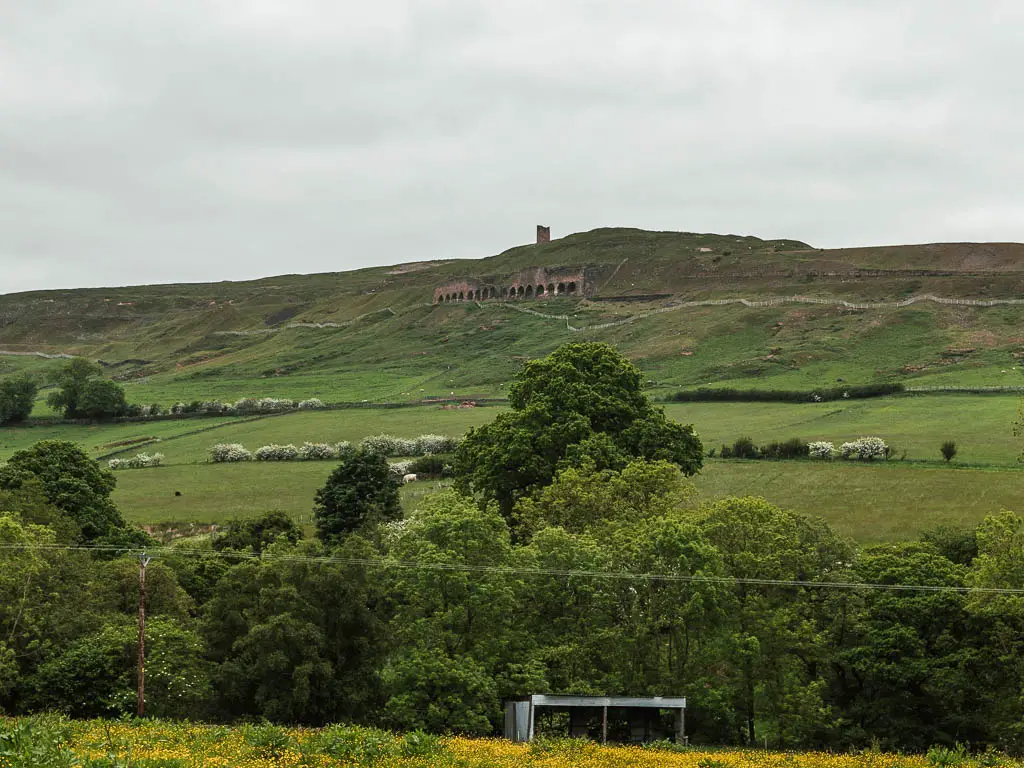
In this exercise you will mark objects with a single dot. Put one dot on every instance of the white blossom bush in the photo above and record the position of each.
(276, 452)
(317, 452)
(263, 405)
(401, 468)
(389, 445)
(226, 452)
(311, 404)
(217, 407)
(139, 461)
(427, 444)
(822, 449)
(344, 449)
(386, 445)
(178, 408)
(864, 449)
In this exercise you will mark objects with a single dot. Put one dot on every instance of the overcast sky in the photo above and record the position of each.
(194, 140)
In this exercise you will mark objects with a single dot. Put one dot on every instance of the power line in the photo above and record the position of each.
(513, 571)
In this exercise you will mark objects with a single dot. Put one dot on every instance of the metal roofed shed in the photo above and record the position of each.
(636, 718)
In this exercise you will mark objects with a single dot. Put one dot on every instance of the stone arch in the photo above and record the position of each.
(540, 291)
(520, 292)
(561, 289)
(572, 287)
(551, 288)
(462, 296)
(529, 291)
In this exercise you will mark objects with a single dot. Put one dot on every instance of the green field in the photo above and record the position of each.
(869, 502)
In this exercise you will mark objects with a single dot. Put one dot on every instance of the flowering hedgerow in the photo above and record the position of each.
(864, 449)
(224, 452)
(139, 461)
(317, 452)
(311, 404)
(822, 449)
(276, 452)
(389, 445)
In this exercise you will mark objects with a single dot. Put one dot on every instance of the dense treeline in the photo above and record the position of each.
(732, 395)
(591, 569)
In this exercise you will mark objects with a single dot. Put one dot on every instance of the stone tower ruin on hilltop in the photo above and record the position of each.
(543, 234)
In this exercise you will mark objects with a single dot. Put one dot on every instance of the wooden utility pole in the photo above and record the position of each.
(143, 562)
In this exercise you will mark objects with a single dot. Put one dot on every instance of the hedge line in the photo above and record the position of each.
(729, 394)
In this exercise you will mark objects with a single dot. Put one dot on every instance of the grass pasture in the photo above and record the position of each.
(869, 503)
(877, 502)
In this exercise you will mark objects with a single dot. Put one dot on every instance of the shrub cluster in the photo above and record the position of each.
(275, 452)
(822, 449)
(243, 407)
(139, 461)
(744, 448)
(729, 394)
(432, 465)
(865, 449)
(862, 449)
(223, 452)
(401, 468)
(387, 445)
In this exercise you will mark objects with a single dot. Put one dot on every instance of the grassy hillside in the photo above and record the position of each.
(373, 333)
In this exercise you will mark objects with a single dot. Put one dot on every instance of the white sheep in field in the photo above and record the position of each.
(410, 478)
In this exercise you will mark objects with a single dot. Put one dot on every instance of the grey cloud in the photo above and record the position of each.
(209, 139)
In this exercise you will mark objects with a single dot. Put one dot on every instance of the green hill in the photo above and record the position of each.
(375, 334)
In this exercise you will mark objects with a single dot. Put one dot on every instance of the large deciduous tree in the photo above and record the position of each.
(361, 492)
(82, 393)
(71, 481)
(17, 397)
(583, 401)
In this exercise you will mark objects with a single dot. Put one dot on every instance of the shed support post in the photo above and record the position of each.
(604, 725)
(681, 725)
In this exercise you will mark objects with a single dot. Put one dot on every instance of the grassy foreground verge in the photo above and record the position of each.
(155, 744)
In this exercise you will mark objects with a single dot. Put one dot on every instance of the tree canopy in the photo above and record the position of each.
(360, 493)
(17, 396)
(71, 481)
(583, 401)
(82, 393)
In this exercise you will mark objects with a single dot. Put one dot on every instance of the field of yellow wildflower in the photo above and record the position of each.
(153, 744)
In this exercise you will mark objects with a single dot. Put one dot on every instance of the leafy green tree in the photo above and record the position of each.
(360, 493)
(776, 643)
(72, 482)
(17, 396)
(102, 399)
(95, 675)
(581, 401)
(908, 664)
(256, 533)
(583, 498)
(296, 641)
(948, 450)
(1000, 565)
(71, 379)
(452, 626)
